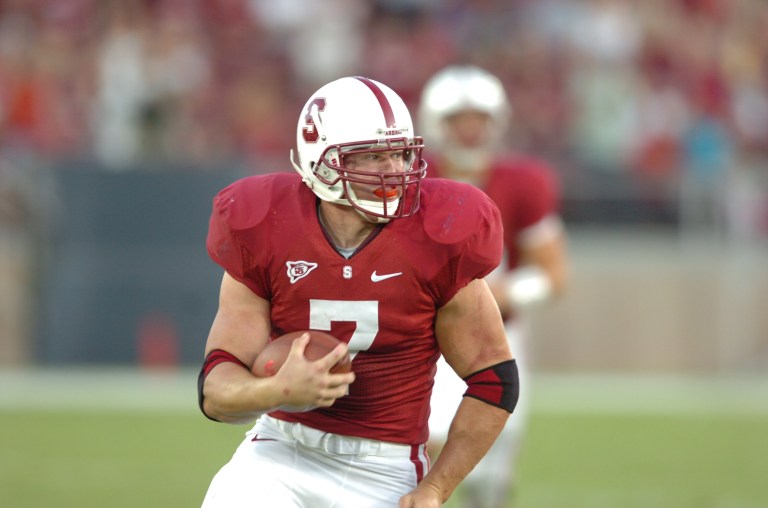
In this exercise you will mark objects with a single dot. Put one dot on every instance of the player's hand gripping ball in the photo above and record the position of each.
(276, 351)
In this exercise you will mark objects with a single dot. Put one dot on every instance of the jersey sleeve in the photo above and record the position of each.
(542, 196)
(230, 233)
(468, 224)
(482, 251)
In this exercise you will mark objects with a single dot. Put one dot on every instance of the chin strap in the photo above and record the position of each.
(372, 218)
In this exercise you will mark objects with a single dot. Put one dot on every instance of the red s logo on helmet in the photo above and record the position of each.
(309, 132)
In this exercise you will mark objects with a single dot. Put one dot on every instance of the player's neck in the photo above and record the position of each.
(344, 225)
(477, 177)
(466, 165)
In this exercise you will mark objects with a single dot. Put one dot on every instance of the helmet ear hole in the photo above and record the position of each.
(324, 172)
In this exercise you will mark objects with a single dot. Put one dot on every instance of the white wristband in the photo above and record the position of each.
(528, 285)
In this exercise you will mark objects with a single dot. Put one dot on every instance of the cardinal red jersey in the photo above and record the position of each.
(525, 190)
(264, 231)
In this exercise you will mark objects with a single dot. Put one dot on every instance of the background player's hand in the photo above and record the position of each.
(423, 496)
(307, 384)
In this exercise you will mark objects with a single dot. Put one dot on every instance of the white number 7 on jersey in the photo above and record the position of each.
(365, 314)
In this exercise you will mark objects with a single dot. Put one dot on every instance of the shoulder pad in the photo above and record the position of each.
(238, 218)
(454, 211)
(244, 203)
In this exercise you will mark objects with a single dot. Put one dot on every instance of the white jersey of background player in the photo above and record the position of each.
(464, 113)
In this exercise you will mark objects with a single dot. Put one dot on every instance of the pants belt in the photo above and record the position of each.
(338, 444)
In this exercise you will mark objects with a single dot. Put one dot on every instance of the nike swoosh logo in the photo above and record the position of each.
(378, 278)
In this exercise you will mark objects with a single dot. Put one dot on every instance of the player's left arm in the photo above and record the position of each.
(470, 333)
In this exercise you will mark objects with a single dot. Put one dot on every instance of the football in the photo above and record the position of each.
(276, 351)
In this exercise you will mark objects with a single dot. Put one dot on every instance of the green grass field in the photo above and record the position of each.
(592, 455)
(645, 461)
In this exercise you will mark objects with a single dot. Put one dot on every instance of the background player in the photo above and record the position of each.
(390, 263)
(464, 113)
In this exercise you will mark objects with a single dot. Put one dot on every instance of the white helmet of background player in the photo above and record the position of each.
(354, 115)
(463, 88)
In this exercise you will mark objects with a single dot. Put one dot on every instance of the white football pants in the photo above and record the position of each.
(289, 465)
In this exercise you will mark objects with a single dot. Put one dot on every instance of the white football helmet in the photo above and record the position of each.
(354, 115)
(463, 88)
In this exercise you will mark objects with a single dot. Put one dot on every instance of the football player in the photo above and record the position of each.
(359, 244)
(464, 114)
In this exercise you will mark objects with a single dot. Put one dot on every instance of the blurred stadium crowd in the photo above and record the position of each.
(657, 91)
(659, 102)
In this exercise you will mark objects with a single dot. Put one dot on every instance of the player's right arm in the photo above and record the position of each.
(231, 394)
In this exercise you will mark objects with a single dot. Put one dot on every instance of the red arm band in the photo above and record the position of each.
(213, 359)
(497, 385)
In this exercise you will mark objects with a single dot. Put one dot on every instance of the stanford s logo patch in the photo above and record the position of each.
(299, 269)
